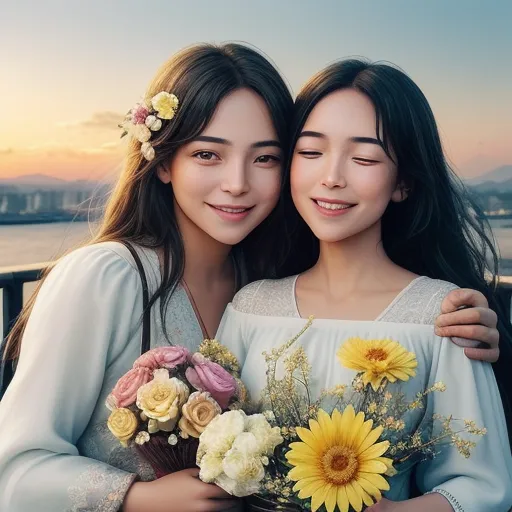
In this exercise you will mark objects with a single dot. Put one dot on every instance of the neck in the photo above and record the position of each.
(207, 260)
(356, 263)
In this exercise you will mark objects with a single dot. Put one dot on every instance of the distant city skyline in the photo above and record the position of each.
(70, 69)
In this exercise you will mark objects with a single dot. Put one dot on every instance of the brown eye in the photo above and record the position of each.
(205, 155)
(265, 159)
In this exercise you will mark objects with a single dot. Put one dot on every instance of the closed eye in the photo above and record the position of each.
(206, 156)
(365, 161)
(310, 154)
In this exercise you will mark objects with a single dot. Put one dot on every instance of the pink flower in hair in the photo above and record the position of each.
(139, 114)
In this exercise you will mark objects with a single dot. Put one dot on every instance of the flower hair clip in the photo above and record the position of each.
(146, 117)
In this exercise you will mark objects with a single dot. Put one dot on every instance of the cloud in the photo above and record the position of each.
(106, 120)
(56, 151)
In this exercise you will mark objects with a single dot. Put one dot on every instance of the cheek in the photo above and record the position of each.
(266, 185)
(188, 183)
(371, 184)
(301, 179)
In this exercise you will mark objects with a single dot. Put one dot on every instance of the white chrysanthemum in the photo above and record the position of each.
(220, 434)
(236, 488)
(243, 466)
(268, 437)
(211, 467)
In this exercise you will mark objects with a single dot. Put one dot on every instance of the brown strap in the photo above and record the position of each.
(145, 344)
(196, 309)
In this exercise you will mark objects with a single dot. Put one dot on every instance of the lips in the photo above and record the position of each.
(332, 207)
(231, 212)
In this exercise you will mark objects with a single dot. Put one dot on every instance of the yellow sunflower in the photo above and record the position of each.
(339, 461)
(378, 360)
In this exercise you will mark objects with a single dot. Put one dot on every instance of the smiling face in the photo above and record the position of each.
(341, 178)
(228, 179)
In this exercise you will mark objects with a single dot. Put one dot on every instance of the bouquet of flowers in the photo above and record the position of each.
(336, 451)
(163, 404)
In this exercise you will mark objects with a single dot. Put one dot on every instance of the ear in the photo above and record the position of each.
(400, 193)
(164, 174)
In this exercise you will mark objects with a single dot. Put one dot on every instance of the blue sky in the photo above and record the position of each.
(64, 61)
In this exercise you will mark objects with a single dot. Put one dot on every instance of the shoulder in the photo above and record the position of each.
(421, 301)
(101, 266)
(268, 297)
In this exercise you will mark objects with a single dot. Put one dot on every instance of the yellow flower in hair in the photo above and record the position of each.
(165, 104)
(378, 360)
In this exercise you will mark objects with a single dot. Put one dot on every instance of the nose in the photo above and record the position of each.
(234, 180)
(333, 176)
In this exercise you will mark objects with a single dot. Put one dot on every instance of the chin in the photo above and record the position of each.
(228, 238)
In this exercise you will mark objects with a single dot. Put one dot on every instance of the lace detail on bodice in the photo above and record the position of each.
(268, 298)
(419, 303)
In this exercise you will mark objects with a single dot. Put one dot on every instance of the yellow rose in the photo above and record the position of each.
(162, 398)
(123, 424)
(165, 104)
(197, 413)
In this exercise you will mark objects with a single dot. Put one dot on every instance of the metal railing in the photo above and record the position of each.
(12, 280)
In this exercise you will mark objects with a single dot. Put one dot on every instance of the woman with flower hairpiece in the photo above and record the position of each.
(390, 232)
(201, 199)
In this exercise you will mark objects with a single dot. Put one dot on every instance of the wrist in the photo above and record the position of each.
(134, 500)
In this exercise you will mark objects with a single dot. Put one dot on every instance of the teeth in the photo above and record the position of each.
(232, 210)
(332, 206)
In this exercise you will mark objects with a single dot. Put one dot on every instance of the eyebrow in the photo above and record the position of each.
(359, 140)
(219, 140)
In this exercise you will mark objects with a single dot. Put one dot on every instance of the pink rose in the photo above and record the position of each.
(125, 391)
(209, 376)
(139, 114)
(162, 357)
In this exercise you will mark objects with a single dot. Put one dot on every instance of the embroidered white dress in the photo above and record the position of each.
(56, 453)
(264, 315)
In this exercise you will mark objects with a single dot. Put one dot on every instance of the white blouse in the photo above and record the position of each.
(264, 315)
(84, 333)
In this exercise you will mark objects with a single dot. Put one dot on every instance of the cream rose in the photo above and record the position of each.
(197, 413)
(123, 424)
(162, 398)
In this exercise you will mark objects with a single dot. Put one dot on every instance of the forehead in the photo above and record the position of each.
(344, 112)
(242, 116)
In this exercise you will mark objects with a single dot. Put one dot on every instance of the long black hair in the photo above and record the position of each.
(438, 231)
(141, 210)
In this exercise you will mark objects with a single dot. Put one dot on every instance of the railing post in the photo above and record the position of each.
(12, 304)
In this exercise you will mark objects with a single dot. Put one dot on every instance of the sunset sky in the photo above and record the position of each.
(70, 69)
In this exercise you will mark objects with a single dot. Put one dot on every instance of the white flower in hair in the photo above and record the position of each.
(147, 150)
(146, 117)
(141, 132)
(153, 123)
